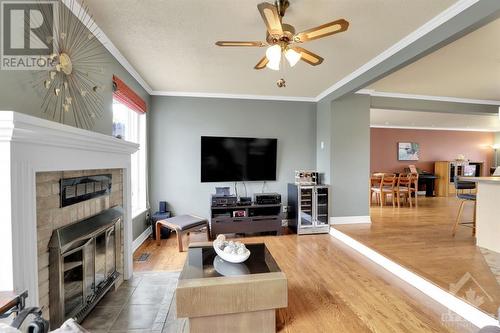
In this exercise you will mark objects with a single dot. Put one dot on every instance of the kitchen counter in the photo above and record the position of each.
(487, 212)
(494, 180)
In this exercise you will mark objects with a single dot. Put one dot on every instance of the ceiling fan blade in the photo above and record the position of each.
(239, 43)
(271, 18)
(322, 31)
(309, 57)
(262, 63)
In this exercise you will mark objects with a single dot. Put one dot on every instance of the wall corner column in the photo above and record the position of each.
(350, 158)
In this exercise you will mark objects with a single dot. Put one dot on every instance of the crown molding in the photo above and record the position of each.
(233, 96)
(89, 22)
(428, 97)
(427, 128)
(423, 30)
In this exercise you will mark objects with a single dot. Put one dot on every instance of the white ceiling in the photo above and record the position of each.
(171, 43)
(466, 68)
(433, 120)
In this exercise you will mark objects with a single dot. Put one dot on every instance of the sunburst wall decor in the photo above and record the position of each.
(72, 84)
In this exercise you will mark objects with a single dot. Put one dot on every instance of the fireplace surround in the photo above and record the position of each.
(30, 145)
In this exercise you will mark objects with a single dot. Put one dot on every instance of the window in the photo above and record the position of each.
(131, 126)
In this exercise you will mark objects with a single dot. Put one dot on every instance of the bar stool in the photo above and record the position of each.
(460, 186)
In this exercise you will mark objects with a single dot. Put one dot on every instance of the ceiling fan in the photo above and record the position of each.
(282, 40)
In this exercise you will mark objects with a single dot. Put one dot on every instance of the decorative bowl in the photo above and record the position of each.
(233, 258)
(234, 252)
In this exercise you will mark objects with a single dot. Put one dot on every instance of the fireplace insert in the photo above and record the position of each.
(83, 262)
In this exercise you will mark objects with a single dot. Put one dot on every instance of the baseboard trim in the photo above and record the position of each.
(443, 297)
(141, 239)
(350, 220)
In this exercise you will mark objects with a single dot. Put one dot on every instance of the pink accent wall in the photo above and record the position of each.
(435, 145)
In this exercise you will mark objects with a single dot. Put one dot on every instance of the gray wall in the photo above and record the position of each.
(177, 123)
(344, 125)
(139, 224)
(350, 155)
(323, 141)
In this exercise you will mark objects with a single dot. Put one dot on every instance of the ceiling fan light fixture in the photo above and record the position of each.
(292, 56)
(274, 65)
(273, 54)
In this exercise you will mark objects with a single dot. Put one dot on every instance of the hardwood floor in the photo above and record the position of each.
(331, 288)
(421, 240)
(165, 257)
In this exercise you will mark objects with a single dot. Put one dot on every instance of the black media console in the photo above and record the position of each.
(256, 218)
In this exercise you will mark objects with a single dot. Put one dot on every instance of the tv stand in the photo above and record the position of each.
(258, 218)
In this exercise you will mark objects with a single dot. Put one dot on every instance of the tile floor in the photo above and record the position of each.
(142, 304)
(493, 260)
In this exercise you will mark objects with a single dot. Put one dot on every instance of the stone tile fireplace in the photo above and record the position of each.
(34, 155)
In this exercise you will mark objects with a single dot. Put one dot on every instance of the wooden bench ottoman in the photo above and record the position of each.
(182, 224)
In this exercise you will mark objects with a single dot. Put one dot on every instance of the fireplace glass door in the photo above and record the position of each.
(73, 280)
(100, 259)
(110, 252)
(105, 261)
(78, 276)
(83, 264)
(88, 265)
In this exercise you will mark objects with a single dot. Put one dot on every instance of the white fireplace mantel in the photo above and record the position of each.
(29, 145)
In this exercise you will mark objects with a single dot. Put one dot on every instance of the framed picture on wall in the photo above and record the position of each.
(408, 151)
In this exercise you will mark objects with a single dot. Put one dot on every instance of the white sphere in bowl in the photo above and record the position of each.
(233, 252)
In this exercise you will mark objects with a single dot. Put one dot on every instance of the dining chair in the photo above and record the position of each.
(387, 186)
(403, 188)
(375, 180)
(414, 187)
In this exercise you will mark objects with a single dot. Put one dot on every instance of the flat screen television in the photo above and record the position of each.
(231, 159)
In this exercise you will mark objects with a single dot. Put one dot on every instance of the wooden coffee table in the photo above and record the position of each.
(245, 302)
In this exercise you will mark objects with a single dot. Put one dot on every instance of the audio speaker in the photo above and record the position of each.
(163, 206)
